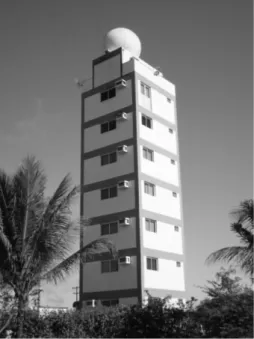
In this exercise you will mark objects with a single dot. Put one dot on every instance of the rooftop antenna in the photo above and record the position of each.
(80, 83)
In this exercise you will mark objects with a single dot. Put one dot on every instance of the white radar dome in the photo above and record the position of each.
(125, 38)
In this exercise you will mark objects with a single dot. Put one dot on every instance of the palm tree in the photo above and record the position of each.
(243, 228)
(37, 233)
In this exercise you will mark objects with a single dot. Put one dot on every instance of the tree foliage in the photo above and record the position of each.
(37, 233)
(242, 227)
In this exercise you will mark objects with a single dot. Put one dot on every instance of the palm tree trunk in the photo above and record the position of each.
(22, 303)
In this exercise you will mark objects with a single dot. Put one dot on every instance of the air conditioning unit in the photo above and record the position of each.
(120, 83)
(91, 303)
(122, 149)
(125, 260)
(122, 116)
(124, 222)
(123, 184)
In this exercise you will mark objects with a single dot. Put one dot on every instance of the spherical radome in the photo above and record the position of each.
(122, 37)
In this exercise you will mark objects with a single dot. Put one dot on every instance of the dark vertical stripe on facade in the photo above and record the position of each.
(81, 192)
(136, 169)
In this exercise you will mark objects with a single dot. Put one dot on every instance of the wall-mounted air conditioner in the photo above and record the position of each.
(121, 116)
(125, 260)
(123, 184)
(120, 83)
(124, 222)
(122, 149)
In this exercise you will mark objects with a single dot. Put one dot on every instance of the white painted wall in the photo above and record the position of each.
(166, 239)
(159, 135)
(162, 107)
(125, 238)
(147, 71)
(163, 202)
(161, 168)
(168, 277)
(95, 281)
(93, 138)
(107, 70)
(94, 108)
(95, 172)
(94, 206)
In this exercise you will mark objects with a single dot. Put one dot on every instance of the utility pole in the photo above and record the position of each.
(76, 288)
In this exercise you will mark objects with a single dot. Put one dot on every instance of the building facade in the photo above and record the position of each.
(130, 179)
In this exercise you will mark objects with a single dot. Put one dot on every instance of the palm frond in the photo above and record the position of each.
(244, 214)
(244, 234)
(87, 253)
(4, 241)
(238, 254)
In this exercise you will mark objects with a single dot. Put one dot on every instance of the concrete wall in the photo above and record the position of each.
(167, 277)
(161, 168)
(94, 139)
(166, 140)
(163, 202)
(125, 238)
(125, 278)
(107, 70)
(94, 108)
(165, 239)
(95, 172)
(94, 206)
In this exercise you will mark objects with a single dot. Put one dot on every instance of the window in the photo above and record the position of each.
(109, 303)
(146, 121)
(108, 158)
(171, 130)
(152, 264)
(169, 100)
(108, 126)
(151, 225)
(109, 228)
(108, 193)
(108, 94)
(176, 228)
(109, 266)
(148, 154)
(145, 90)
(149, 188)
(178, 264)
(174, 194)
(173, 162)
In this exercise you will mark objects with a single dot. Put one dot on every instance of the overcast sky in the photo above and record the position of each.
(203, 46)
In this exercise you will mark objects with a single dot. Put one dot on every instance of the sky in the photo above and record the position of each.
(204, 47)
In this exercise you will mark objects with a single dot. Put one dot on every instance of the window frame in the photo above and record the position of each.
(145, 90)
(110, 226)
(148, 152)
(151, 225)
(109, 263)
(111, 192)
(152, 261)
(149, 185)
(108, 158)
(108, 94)
(145, 121)
(108, 126)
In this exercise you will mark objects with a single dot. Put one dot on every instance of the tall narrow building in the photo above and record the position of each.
(130, 178)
